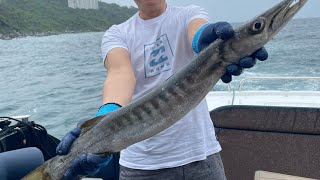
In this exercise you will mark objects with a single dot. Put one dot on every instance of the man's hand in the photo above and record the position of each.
(84, 164)
(223, 30)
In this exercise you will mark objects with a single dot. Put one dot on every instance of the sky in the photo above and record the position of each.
(235, 10)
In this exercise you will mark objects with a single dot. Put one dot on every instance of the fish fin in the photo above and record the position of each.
(89, 124)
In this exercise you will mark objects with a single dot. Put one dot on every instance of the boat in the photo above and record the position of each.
(262, 132)
(272, 131)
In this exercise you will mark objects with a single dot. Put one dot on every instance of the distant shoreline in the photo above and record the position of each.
(15, 34)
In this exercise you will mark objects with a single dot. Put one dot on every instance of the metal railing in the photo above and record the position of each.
(275, 78)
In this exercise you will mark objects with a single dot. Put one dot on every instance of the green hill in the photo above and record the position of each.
(43, 17)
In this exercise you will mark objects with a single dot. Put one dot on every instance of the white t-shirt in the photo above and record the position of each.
(158, 48)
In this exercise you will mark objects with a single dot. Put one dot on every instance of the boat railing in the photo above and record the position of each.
(229, 87)
(246, 80)
(292, 98)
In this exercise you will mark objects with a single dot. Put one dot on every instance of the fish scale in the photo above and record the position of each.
(169, 102)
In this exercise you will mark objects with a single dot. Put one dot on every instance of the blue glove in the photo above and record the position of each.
(223, 30)
(85, 164)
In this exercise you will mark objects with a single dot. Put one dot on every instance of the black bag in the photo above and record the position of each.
(17, 134)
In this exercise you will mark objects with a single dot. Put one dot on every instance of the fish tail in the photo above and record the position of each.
(38, 174)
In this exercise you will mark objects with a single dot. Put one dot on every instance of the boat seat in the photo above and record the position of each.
(284, 140)
(16, 164)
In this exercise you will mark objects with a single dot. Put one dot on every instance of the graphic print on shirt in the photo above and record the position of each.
(157, 57)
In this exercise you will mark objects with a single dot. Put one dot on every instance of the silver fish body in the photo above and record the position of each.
(168, 103)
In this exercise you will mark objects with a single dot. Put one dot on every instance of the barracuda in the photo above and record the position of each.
(168, 103)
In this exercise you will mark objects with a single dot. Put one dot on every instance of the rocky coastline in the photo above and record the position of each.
(14, 34)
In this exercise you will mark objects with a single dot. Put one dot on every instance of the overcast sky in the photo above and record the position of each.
(235, 10)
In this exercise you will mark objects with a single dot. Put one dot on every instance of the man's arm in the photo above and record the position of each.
(120, 81)
(194, 26)
(118, 88)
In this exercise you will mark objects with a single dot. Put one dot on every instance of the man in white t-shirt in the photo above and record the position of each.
(140, 54)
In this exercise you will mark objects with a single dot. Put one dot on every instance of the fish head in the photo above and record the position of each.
(256, 33)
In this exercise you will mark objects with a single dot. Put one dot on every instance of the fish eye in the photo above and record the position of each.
(257, 26)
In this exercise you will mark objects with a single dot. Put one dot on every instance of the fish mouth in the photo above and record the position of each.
(261, 29)
(278, 16)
